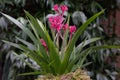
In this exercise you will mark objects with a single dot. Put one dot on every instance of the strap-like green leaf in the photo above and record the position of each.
(86, 42)
(105, 47)
(13, 44)
(29, 45)
(30, 73)
(81, 57)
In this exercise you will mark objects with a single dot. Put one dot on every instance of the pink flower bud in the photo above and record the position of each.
(56, 8)
(72, 29)
(44, 44)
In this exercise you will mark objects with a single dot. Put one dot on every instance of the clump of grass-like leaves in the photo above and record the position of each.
(52, 56)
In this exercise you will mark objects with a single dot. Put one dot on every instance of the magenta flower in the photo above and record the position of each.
(56, 8)
(56, 22)
(44, 44)
(72, 29)
(63, 8)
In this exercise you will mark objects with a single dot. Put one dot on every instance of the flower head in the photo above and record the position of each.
(56, 22)
(72, 29)
(63, 8)
(56, 8)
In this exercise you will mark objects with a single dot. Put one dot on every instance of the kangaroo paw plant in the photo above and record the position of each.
(56, 51)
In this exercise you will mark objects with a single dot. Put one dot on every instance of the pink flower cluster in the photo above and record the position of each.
(57, 21)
